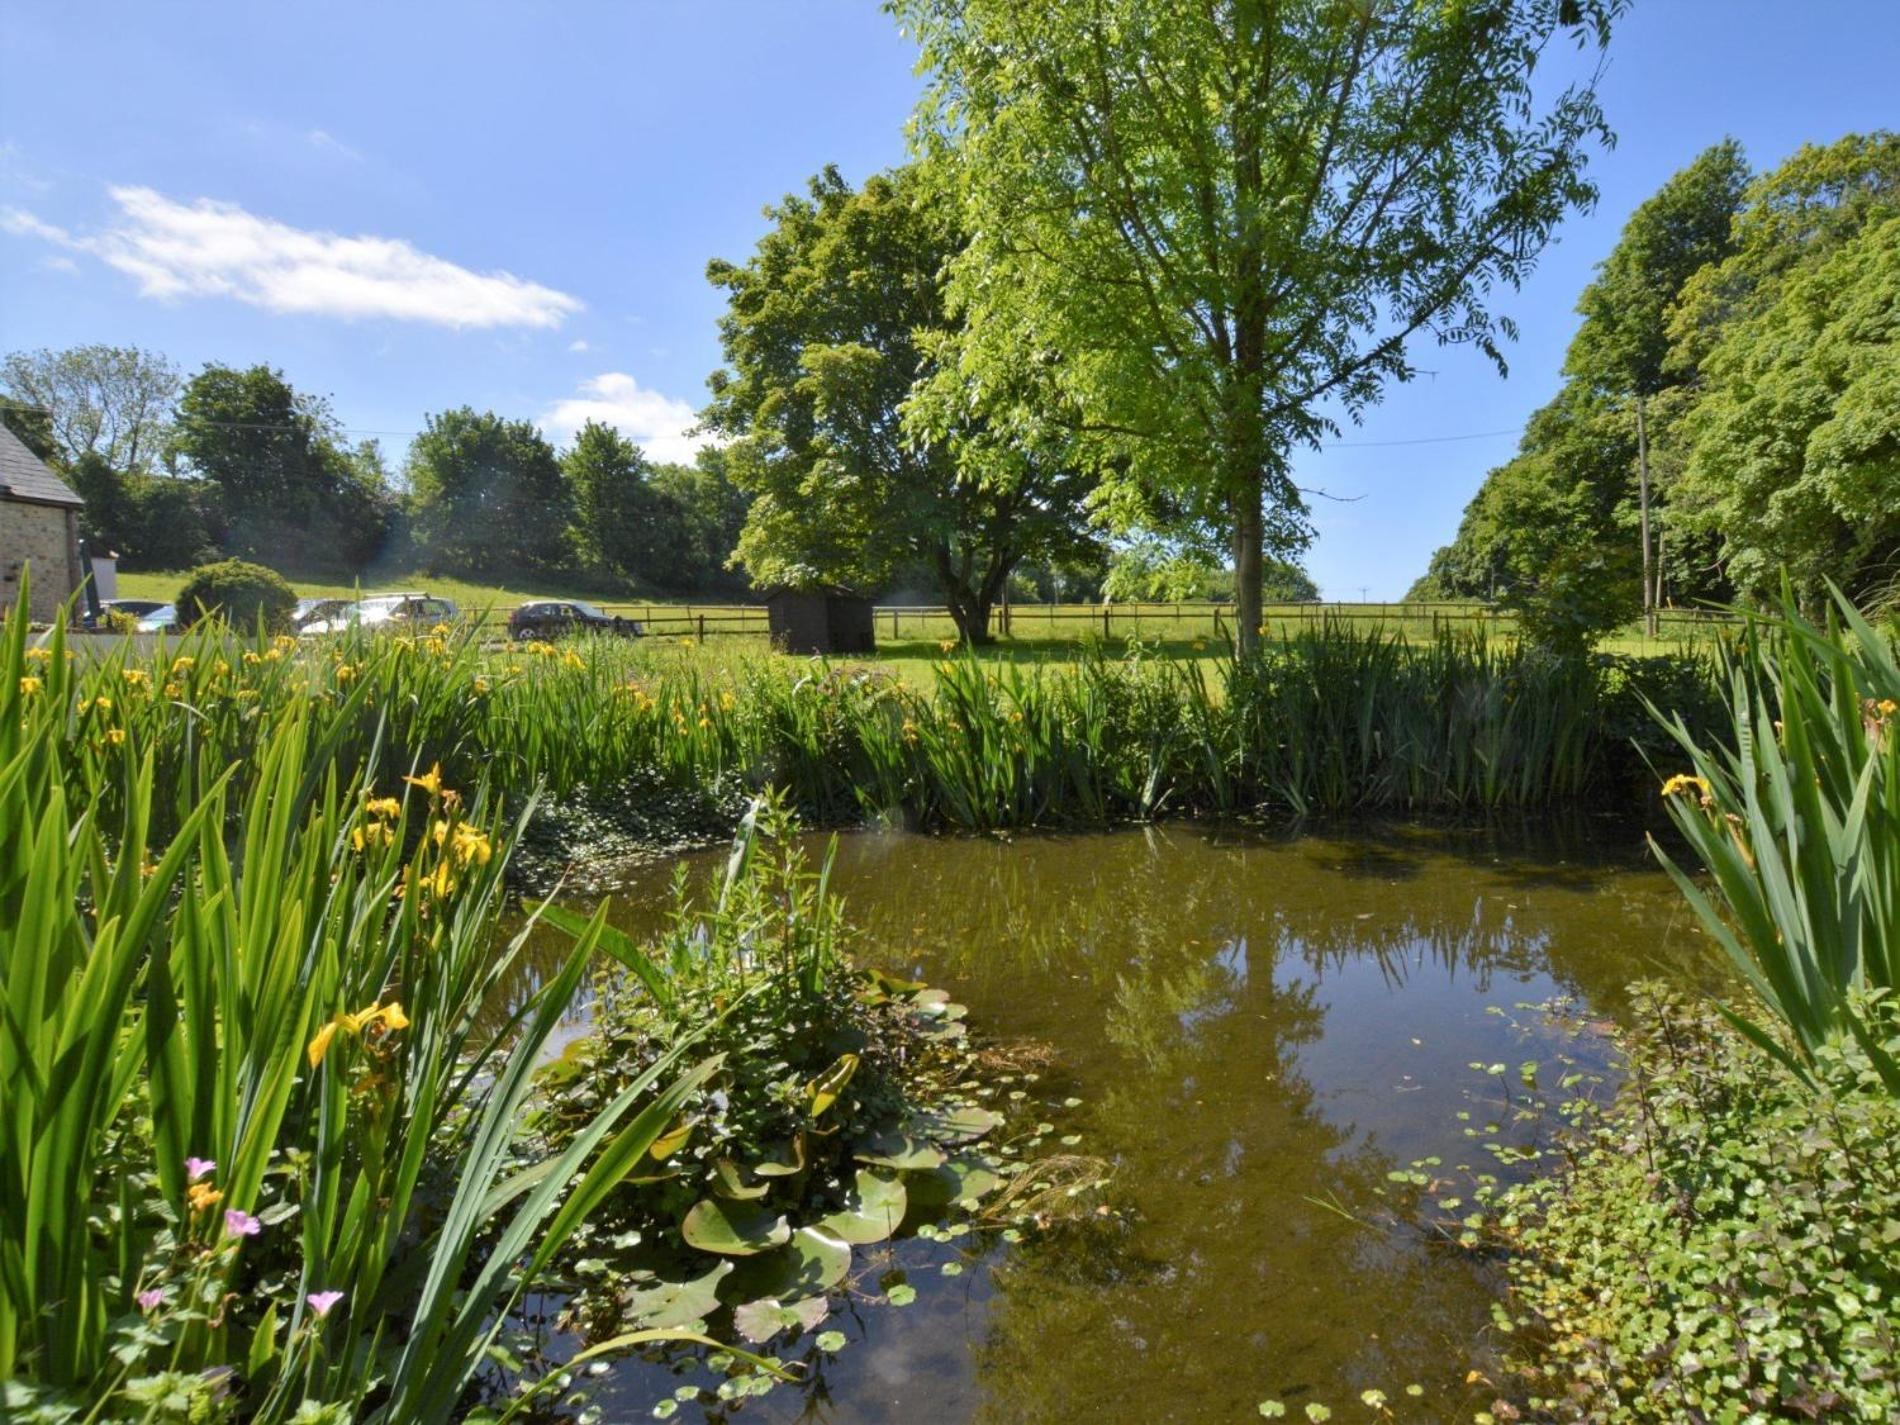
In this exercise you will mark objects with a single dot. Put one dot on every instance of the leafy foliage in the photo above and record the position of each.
(488, 495)
(827, 336)
(243, 595)
(1221, 225)
(1722, 1244)
(1796, 820)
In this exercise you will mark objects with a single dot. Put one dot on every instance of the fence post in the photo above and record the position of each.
(1104, 620)
(702, 628)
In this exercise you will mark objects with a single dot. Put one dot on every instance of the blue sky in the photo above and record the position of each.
(414, 206)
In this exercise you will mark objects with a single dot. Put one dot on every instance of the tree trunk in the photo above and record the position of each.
(1642, 486)
(1249, 533)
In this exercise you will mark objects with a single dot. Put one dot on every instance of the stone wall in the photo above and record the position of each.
(47, 537)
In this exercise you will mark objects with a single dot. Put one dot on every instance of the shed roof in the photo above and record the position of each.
(24, 476)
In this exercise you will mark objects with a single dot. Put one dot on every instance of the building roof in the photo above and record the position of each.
(24, 476)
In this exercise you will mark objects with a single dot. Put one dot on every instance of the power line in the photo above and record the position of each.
(1421, 440)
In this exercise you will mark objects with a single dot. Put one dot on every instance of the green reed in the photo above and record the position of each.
(1795, 817)
(255, 1144)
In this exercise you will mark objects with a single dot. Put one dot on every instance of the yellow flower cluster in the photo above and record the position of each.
(390, 1016)
(1682, 782)
(30, 686)
(463, 844)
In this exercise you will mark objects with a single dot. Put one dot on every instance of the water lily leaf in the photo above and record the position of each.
(871, 1213)
(671, 1141)
(664, 1304)
(965, 1175)
(957, 1125)
(759, 1321)
(824, 1089)
(729, 1181)
(893, 1149)
(811, 1264)
(732, 1229)
(926, 999)
(782, 1160)
(895, 984)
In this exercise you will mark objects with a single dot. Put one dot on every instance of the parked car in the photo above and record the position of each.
(550, 618)
(385, 611)
(134, 609)
(163, 619)
(309, 611)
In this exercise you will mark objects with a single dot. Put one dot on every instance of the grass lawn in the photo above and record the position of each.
(913, 643)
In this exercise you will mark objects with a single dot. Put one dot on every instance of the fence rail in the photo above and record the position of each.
(1210, 618)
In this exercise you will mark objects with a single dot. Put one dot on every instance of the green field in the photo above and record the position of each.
(912, 640)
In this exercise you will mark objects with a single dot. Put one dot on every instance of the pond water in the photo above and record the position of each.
(1260, 1029)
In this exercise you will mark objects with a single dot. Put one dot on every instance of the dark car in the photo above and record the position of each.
(134, 609)
(548, 619)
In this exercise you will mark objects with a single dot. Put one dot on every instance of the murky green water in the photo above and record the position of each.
(1260, 1028)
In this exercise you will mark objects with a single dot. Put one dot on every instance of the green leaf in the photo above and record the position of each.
(872, 1212)
(732, 1229)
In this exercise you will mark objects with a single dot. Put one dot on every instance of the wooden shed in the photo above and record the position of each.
(823, 620)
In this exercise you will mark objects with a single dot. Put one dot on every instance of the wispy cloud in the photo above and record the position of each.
(579, 344)
(211, 249)
(657, 423)
(326, 142)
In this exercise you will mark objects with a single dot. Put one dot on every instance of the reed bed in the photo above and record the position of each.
(1333, 720)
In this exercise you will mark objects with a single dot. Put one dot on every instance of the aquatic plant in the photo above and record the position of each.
(1795, 818)
(1716, 1244)
(255, 1129)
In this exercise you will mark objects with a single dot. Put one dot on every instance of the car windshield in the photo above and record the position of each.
(589, 611)
(164, 613)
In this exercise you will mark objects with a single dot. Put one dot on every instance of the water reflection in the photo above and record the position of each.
(1262, 1029)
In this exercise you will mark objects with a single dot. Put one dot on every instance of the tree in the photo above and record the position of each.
(1231, 217)
(828, 335)
(488, 496)
(288, 487)
(1623, 346)
(620, 520)
(109, 401)
(1794, 452)
(705, 513)
(33, 426)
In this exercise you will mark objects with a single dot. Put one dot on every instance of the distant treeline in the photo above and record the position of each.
(1734, 386)
(236, 462)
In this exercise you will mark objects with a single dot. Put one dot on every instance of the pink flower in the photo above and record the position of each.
(198, 1167)
(322, 1301)
(151, 1300)
(240, 1224)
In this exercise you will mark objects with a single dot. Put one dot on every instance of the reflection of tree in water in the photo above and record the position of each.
(1236, 1281)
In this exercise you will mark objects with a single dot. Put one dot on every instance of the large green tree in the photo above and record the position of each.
(289, 490)
(487, 496)
(1622, 349)
(113, 402)
(620, 520)
(831, 329)
(1229, 219)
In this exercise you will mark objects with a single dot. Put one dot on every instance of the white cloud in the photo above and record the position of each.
(578, 344)
(326, 142)
(656, 423)
(59, 262)
(212, 249)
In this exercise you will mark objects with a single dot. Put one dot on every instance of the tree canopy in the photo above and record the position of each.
(488, 495)
(1228, 221)
(1767, 358)
(829, 333)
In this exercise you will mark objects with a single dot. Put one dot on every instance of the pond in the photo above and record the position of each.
(1260, 1029)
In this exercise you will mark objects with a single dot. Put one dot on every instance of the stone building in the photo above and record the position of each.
(39, 525)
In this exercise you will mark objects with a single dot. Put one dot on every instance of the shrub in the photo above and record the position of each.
(1723, 1244)
(239, 593)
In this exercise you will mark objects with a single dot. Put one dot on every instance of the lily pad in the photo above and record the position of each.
(732, 1229)
(811, 1264)
(824, 1089)
(926, 999)
(894, 1149)
(871, 1213)
(965, 1175)
(782, 1160)
(759, 1321)
(729, 1180)
(957, 1125)
(662, 1304)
